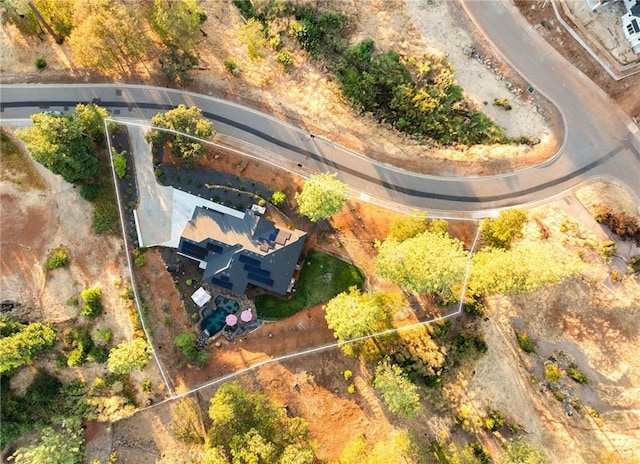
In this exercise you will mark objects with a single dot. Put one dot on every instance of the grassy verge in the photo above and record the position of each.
(105, 210)
(322, 278)
(17, 168)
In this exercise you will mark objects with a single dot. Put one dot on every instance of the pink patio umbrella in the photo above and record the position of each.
(246, 315)
(231, 320)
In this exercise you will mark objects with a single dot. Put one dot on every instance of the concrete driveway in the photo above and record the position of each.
(162, 211)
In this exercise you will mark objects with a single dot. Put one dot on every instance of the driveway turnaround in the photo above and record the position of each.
(162, 212)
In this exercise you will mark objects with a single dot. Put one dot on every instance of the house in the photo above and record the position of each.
(630, 20)
(240, 249)
(631, 24)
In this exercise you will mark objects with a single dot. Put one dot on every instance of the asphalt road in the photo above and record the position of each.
(599, 139)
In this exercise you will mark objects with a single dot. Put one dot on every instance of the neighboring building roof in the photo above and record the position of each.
(631, 23)
(235, 251)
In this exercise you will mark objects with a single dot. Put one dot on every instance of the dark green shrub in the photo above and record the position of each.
(90, 192)
(575, 374)
(635, 263)
(494, 420)
(98, 354)
(525, 342)
(120, 164)
(44, 388)
(40, 63)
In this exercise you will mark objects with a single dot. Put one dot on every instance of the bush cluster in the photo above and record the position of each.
(525, 342)
(58, 258)
(621, 224)
(92, 306)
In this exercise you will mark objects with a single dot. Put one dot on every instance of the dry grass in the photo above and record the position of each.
(16, 166)
(608, 194)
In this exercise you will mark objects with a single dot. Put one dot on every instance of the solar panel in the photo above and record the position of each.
(257, 270)
(214, 248)
(194, 250)
(221, 283)
(260, 279)
(248, 260)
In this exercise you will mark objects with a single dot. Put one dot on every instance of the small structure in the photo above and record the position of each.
(237, 250)
(201, 297)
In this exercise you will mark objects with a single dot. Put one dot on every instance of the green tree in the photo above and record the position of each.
(177, 23)
(23, 343)
(500, 232)
(188, 344)
(522, 269)
(322, 196)
(109, 36)
(188, 121)
(129, 356)
(398, 392)
(352, 315)
(253, 36)
(92, 306)
(58, 143)
(176, 64)
(58, 14)
(519, 451)
(65, 447)
(427, 263)
(186, 423)
(249, 428)
(417, 353)
(397, 448)
(92, 117)
(405, 227)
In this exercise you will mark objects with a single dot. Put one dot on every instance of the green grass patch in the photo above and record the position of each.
(105, 211)
(322, 278)
(16, 166)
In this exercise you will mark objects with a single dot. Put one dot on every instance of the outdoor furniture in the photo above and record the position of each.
(201, 297)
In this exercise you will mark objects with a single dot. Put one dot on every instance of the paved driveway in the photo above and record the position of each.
(162, 211)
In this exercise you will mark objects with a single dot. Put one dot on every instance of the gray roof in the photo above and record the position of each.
(237, 251)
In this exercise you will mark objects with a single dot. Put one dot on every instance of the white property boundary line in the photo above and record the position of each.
(472, 216)
(165, 378)
(319, 349)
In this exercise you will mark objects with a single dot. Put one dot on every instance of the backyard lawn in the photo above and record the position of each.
(322, 278)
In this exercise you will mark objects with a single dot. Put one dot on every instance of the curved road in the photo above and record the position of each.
(599, 140)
